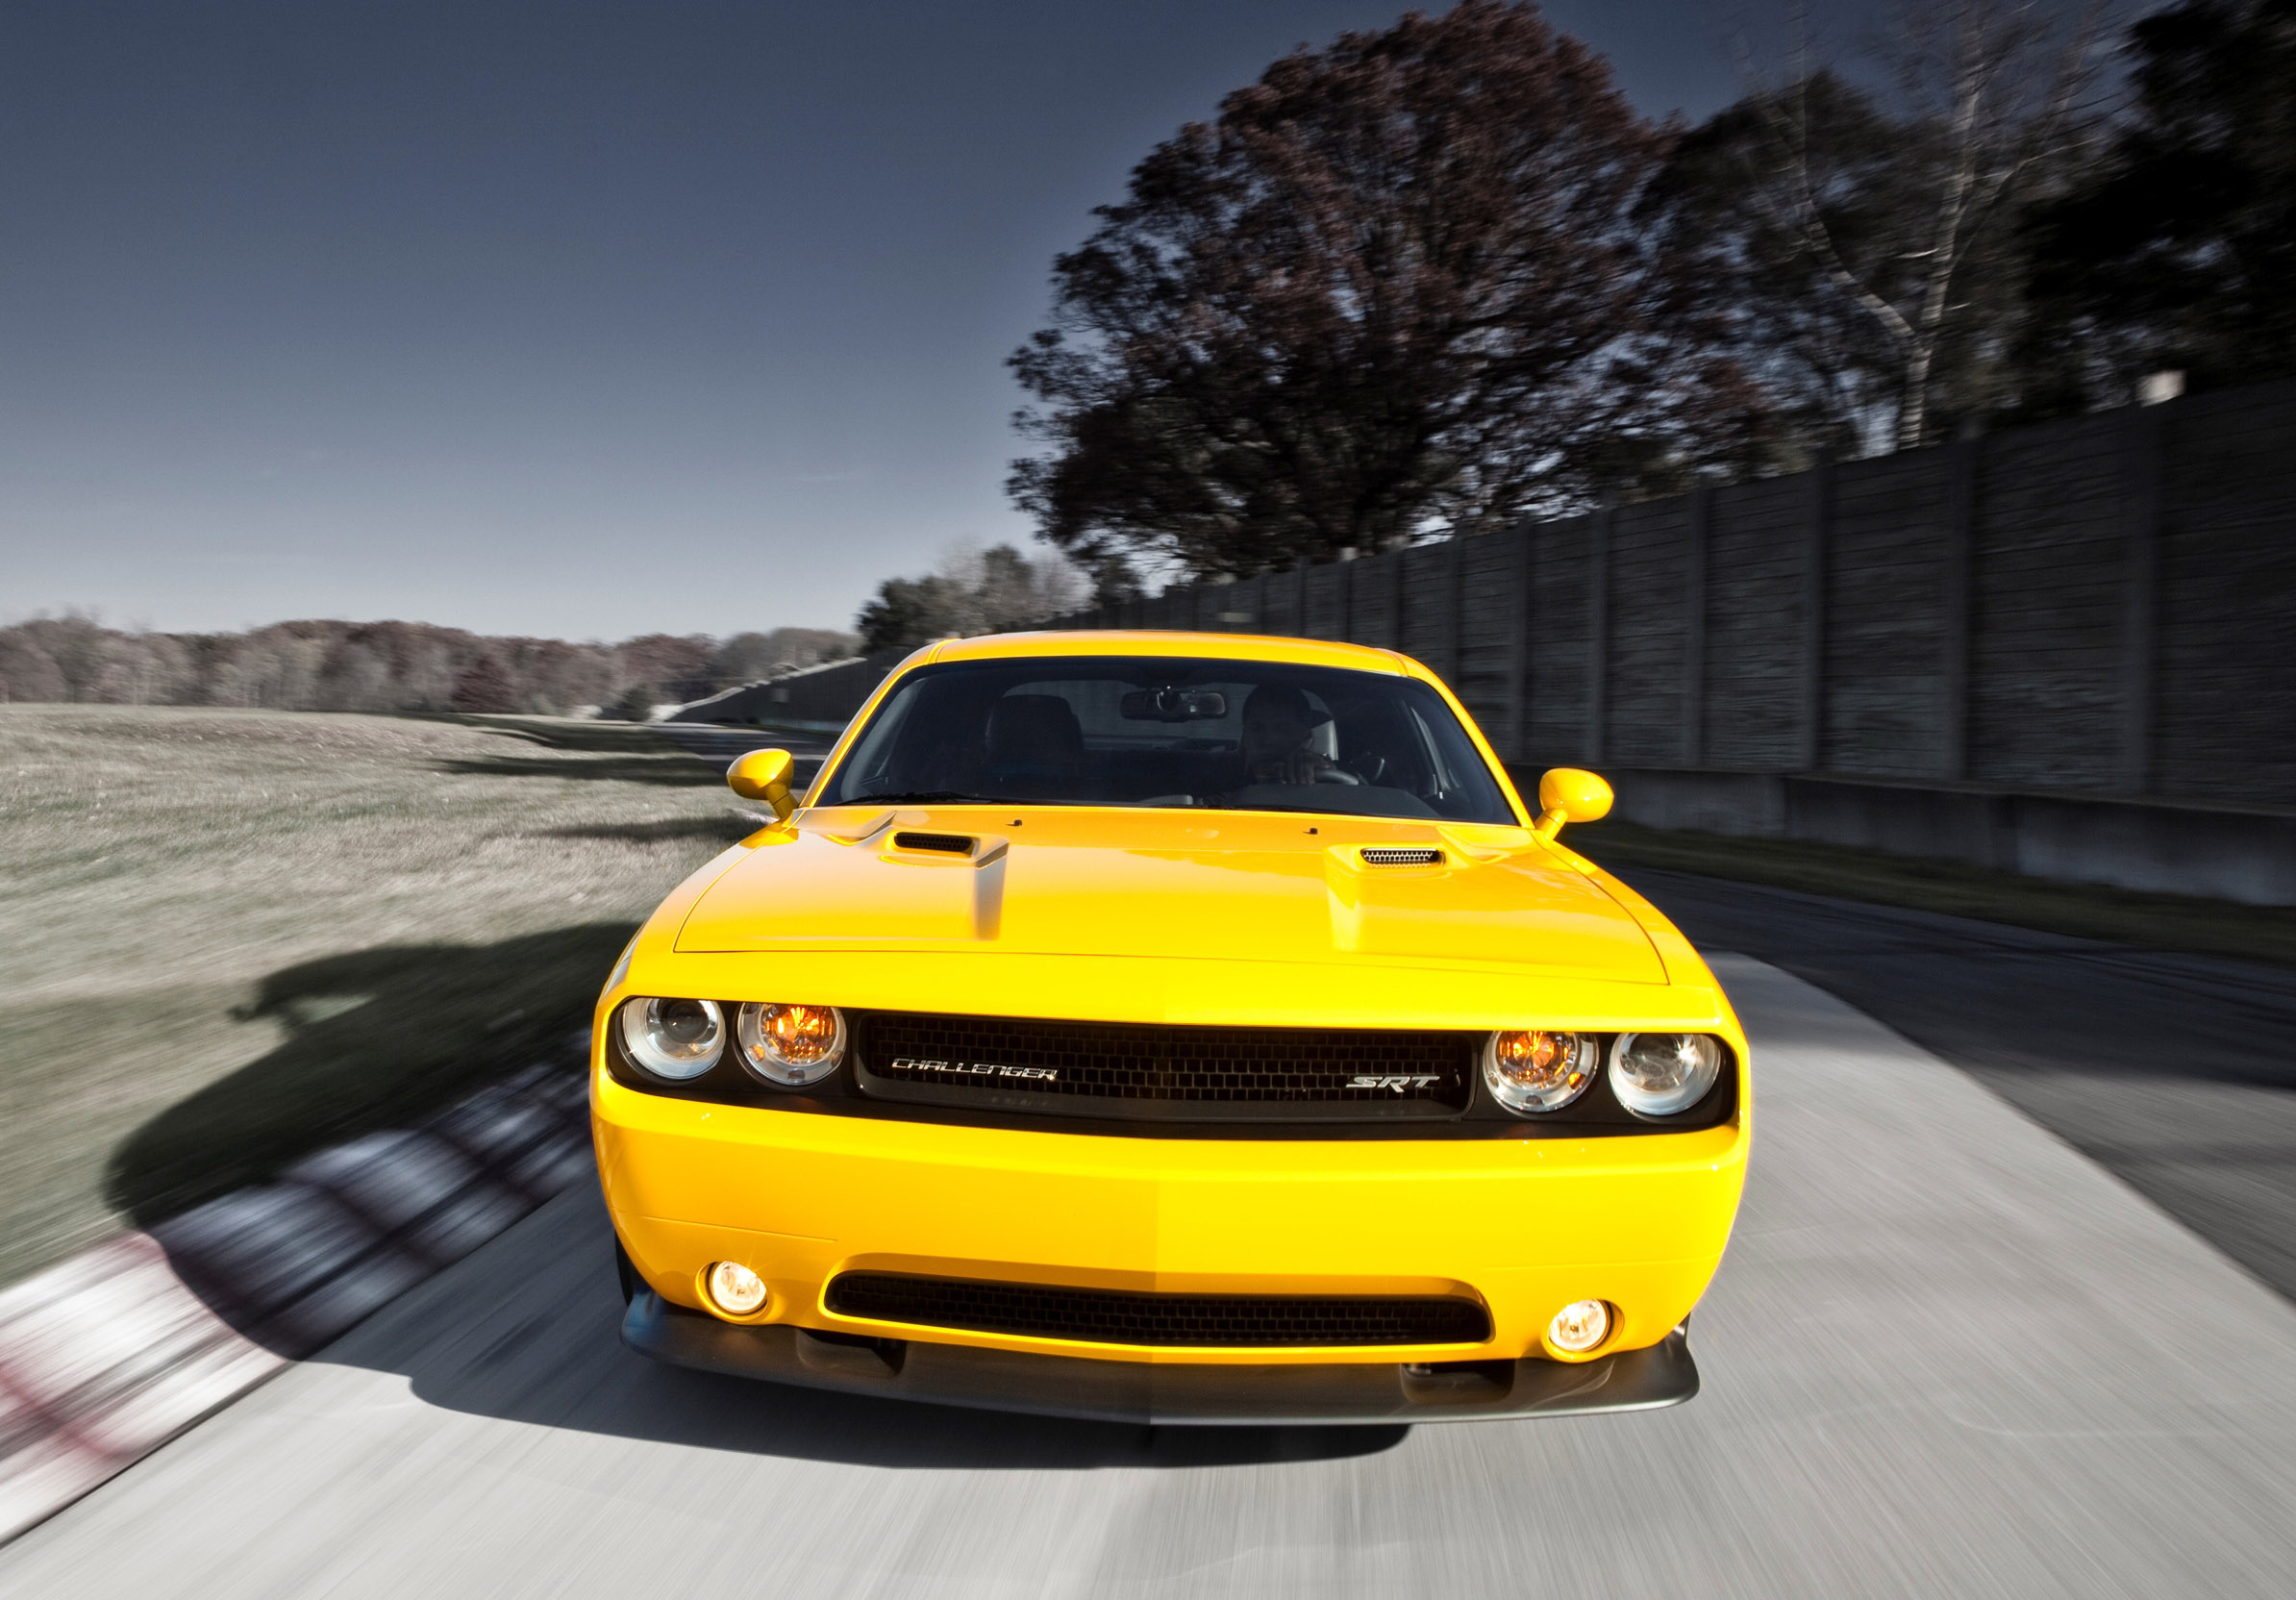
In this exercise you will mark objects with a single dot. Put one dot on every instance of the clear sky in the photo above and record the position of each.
(570, 318)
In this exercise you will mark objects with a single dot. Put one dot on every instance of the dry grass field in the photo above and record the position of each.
(227, 937)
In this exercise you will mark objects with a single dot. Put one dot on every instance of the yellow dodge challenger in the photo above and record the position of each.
(1169, 1028)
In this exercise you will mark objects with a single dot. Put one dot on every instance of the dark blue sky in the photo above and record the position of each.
(569, 318)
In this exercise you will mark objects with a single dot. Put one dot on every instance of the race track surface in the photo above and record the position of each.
(2176, 1071)
(1948, 1355)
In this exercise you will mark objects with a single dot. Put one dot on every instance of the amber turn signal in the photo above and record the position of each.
(790, 1046)
(1530, 1070)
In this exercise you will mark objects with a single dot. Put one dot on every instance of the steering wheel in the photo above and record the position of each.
(1336, 775)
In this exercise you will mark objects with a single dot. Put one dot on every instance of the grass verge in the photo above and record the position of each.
(2161, 921)
(227, 937)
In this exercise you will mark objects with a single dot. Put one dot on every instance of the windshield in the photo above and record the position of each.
(1169, 731)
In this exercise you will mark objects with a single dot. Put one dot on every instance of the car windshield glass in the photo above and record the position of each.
(1169, 731)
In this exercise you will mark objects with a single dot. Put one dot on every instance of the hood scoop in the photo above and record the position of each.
(939, 844)
(1393, 856)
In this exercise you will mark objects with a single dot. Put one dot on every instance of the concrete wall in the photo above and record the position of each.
(2172, 847)
(2069, 649)
(818, 699)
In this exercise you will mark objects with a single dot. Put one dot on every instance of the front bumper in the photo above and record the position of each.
(1663, 1374)
(1523, 1226)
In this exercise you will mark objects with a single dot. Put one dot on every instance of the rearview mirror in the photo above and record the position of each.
(764, 775)
(1174, 705)
(1571, 795)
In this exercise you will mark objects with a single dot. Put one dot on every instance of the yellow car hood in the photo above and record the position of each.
(1230, 886)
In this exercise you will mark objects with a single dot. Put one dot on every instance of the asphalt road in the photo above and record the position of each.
(719, 743)
(1948, 1355)
(2176, 1072)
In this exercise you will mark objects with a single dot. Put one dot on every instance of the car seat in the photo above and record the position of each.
(1036, 743)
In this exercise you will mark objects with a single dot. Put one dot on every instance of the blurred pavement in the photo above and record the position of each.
(720, 744)
(2176, 1072)
(1947, 1356)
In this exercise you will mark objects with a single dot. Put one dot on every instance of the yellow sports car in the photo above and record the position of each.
(1169, 1028)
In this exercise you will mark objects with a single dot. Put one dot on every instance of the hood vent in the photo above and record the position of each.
(1395, 857)
(946, 844)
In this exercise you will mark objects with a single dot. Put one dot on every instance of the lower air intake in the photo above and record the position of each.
(1116, 1317)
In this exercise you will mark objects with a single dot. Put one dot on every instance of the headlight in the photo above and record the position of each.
(791, 1046)
(1660, 1074)
(678, 1040)
(1531, 1070)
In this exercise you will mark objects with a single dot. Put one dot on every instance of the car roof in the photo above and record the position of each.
(1144, 642)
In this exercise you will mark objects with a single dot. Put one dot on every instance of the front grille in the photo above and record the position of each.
(1174, 1073)
(1116, 1317)
(1388, 855)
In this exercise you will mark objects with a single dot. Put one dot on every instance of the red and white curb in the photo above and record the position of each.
(105, 1356)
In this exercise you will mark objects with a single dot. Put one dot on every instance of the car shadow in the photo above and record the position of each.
(374, 1038)
(526, 1327)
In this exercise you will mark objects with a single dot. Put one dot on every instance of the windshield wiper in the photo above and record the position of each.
(922, 797)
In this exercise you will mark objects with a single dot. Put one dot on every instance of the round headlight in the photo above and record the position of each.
(677, 1039)
(1530, 1070)
(1660, 1074)
(793, 1046)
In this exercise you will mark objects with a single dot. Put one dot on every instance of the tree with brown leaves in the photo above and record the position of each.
(1398, 287)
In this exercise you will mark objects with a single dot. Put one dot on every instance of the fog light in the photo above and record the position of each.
(1579, 1327)
(734, 1288)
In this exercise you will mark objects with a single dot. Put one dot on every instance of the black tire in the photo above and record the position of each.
(625, 1272)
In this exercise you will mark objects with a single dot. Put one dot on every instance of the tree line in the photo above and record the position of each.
(1429, 280)
(389, 666)
(984, 591)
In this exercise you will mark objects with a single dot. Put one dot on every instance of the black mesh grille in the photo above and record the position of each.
(1387, 856)
(1114, 1316)
(951, 844)
(1125, 1069)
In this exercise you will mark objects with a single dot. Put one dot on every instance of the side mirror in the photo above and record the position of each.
(764, 775)
(1568, 794)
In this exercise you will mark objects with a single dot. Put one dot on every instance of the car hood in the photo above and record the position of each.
(1235, 886)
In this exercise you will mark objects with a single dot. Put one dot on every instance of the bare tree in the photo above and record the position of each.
(1993, 97)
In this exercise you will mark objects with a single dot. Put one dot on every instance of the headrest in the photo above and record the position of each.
(1034, 727)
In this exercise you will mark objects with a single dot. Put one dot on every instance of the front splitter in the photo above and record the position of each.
(1164, 1393)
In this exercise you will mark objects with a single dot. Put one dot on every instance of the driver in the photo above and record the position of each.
(1277, 724)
